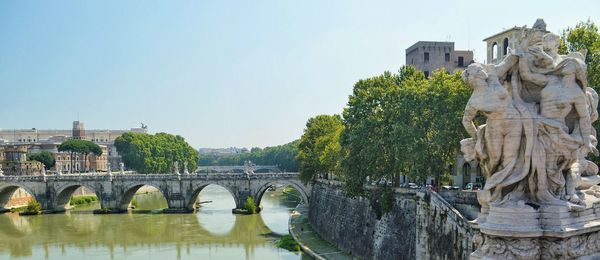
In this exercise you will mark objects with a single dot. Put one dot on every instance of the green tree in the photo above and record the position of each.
(427, 128)
(402, 124)
(157, 153)
(585, 36)
(365, 139)
(44, 157)
(319, 149)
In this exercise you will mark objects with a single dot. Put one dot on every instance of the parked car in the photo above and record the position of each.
(413, 185)
(448, 187)
(473, 186)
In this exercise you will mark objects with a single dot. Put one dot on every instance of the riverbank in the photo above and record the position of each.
(310, 241)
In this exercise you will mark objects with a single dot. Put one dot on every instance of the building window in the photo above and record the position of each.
(494, 51)
(447, 57)
(426, 73)
(461, 61)
(467, 172)
(426, 57)
(480, 178)
(505, 46)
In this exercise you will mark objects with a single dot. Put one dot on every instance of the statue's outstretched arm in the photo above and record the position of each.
(508, 62)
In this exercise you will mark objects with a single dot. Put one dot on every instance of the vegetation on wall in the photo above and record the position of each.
(250, 205)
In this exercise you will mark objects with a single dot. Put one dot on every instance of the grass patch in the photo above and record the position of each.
(83, 200)
(287, 242)
(19, 209)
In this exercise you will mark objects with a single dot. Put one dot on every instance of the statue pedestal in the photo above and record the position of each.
(545, 232)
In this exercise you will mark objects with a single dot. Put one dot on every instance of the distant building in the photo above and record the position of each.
(14, 161)
(40, 140)
(499, 43)
(429, 56)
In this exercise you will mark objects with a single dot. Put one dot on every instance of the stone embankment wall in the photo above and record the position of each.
(419, 226)
(442, 231)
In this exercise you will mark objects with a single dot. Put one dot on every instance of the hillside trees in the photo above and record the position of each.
(282, 155)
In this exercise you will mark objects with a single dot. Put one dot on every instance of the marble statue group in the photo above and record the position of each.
(538, 111)
(529, 119)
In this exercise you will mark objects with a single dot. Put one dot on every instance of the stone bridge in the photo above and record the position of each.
(115, 192)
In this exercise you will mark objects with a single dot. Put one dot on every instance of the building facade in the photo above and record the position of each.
(428, 56)
(14, 161)
(48, 140)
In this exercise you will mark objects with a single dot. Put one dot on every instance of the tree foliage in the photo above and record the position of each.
(44, 157)
(585, 35)
(282, 155)
(402, 124)
(157, 153)
(319, 148)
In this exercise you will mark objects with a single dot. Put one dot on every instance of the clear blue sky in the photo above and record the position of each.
(225, 73)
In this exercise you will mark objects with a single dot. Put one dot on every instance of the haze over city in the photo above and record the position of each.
(221, 74)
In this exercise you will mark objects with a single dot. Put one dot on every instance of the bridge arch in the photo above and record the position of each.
(296, 184)
(196, 189)
(8, 189)
(65, 192)
(130, 190)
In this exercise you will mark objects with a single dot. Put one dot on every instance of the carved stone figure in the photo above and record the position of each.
(122, 168)
(176, 168)
(1, 172)
(533, 146)
(185, 168)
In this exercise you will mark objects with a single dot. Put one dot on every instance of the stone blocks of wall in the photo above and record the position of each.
(421, 225)
(442, 232)
(352, 225)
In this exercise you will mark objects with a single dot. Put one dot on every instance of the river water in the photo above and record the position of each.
(211, 233)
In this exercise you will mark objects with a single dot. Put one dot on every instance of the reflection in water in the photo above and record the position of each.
(213, 232)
